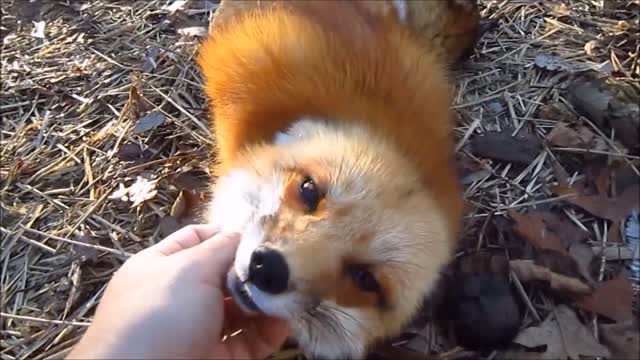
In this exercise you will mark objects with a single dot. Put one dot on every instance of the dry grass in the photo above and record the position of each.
(70, 103)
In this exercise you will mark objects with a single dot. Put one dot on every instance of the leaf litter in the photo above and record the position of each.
(622, 339)
(62, 171)
(564, 337)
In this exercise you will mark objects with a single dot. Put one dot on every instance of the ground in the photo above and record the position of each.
(104, 144)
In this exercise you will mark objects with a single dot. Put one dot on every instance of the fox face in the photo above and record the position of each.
(339, 237)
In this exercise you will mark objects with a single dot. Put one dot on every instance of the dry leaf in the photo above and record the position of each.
(522, 149)
(179, 207)
(527, 270)
(38, 29)
(87, 253)
(605, 67)
(532, 228)
(150, 59)
(583, 255)
(195, 31)
(132, 152)
(593, 47)
(564, 336)
(496, 107)
(622, 339)
(475, 176)
(609, 103)
(581, 138)
(175, 6)
(551, 62)
(141, 191)
(614, 209)
(148, 122)
(560, 10)
(557, 111)
(612, 299)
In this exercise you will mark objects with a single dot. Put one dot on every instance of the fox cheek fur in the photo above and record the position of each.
(335, 163)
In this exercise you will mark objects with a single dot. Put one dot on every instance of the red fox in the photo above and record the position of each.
(335, 160)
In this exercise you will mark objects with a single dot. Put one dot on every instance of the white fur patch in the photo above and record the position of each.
(283, 138)
(239, 201)
(299, 130)
(321, 340)
(231, 208)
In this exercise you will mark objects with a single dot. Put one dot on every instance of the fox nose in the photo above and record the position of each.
(268, 270)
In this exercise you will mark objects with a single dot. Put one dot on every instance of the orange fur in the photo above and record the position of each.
(349, 65)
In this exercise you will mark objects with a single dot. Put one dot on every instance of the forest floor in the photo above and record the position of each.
(105, 138)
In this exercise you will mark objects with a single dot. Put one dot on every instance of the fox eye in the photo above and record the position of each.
(309, 194)
(363, 279)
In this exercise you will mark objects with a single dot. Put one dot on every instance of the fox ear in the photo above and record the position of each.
(227, 9)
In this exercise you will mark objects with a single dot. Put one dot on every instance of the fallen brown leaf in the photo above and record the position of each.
(560, 263)
(527, 270)
(623, 175)
(614, 235)
(610, 103)
(614, 209)
(560, 173)
(581, 137)
(523, 149)
(557, 111)
(179, 207)
(86, 252)
(583, 256)
(622, 339)
(599, 173)
(564, 336)
(612, 299)
(594, 47)
(533, 228)
(132, 152)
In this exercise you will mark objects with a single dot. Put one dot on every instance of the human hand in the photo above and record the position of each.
(168, 301)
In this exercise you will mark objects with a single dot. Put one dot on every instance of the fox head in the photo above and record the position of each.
(335, 163)
(338, 235)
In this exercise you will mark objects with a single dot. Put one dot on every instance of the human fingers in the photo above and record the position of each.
(234, 317)
(185, 238)
(213, 257)
(261, 336)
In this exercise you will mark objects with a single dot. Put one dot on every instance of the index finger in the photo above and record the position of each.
(185, 238)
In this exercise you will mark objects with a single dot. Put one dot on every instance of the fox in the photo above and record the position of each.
(334, 160)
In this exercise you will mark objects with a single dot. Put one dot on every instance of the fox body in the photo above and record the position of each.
(334, 162)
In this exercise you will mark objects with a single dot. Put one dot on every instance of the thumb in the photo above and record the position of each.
(214, 256)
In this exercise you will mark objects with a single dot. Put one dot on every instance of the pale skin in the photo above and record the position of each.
(169, 302)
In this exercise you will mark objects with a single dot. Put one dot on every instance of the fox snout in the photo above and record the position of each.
(268, 270)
